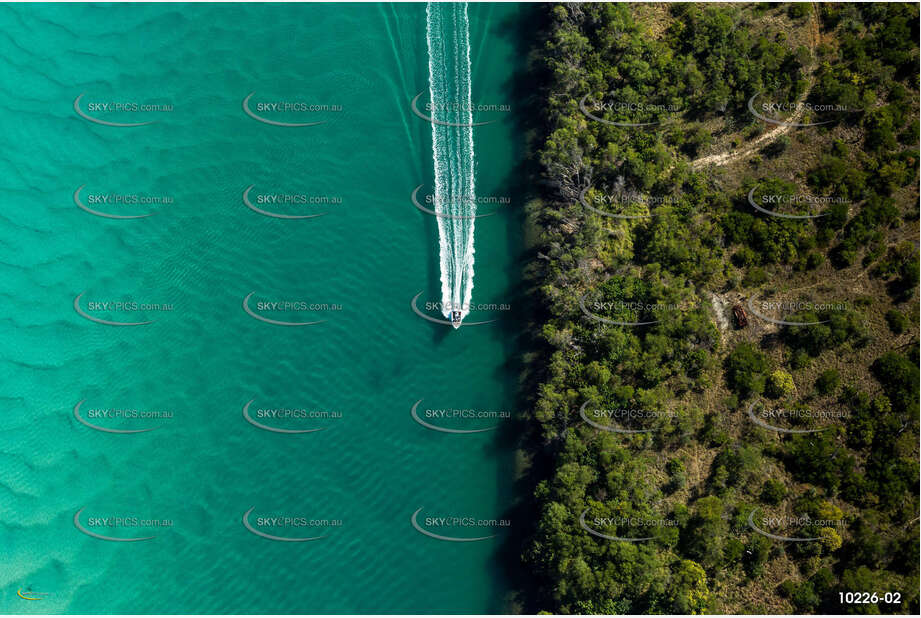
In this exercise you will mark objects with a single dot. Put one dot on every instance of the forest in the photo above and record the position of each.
(736, 386)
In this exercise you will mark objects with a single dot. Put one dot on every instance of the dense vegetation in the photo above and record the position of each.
(636, 311)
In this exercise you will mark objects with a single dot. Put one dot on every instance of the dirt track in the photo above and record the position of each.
(722, 158)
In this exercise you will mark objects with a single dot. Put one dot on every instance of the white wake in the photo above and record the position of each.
(448, 37)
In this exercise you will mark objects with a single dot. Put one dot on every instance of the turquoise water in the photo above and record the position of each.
(202, 358)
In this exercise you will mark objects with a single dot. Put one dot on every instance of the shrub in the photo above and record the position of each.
(745, 370)
(897, 321)
(827, 382)
(780, 384)
(772, 492)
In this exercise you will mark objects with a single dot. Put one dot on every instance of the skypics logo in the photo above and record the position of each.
(118, 522)
(611, 106)
(283, 523)
(791, 200)
(477, 200)
(771, 418)
(437, 306)
(287, 307)
(268, 204)
(786, 307)
(783, 523)
(600, 201)
(120, 109)
(768, 111)
(116, 307)
(31, 595)
(455, 107)
(593, 416)
(455, 414)
(94, 414)
(279, 112)
(118, 201)
(632, 522)
(638, 309)
(271, 417)
(455, 522)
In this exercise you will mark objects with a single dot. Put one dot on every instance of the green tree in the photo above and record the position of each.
(773, 492)
(827, 382)
(899, 377)
(897, 321)
(689, 593)
(745, 370)
(780, 384)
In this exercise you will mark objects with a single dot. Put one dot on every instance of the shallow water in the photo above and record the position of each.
(357, 374)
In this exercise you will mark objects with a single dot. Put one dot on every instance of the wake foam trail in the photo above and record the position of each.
(448, 37)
